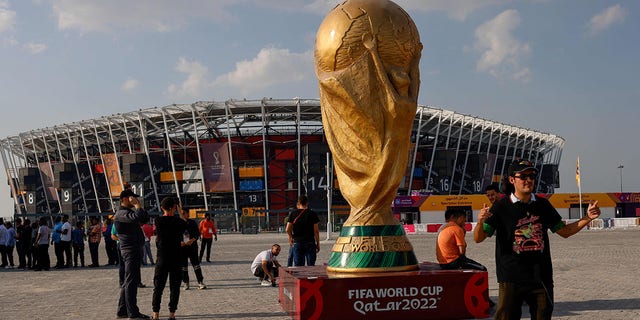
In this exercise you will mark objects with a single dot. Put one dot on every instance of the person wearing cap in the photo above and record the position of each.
(127, 223)
(521, 222)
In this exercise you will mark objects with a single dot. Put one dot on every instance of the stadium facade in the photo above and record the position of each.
(247, 158)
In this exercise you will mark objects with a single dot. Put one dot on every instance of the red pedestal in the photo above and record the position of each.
(428, 293)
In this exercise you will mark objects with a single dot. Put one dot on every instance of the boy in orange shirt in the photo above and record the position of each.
(451, 247)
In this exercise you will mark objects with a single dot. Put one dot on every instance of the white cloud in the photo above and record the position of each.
(10, 41)
(164, 15)
(158, 15)
(130, 85)
(458, 10)
(34, 47)
(501, 51)
(607, 18)
(7, 17)
(271, 68)
(195, 84)
(455, 9)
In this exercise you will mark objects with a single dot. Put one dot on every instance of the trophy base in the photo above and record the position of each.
(372, 249)
(426, 293)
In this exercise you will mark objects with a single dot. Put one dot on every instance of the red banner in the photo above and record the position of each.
(216, 167)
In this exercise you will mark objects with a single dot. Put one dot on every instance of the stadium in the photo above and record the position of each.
(246, 161)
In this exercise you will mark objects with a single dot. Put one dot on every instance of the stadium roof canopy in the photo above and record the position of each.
(234, 118)
(451, 153)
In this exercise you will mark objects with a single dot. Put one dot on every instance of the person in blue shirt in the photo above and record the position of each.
(110, 245)
(77, 241)
(55, 240)
(10, 244)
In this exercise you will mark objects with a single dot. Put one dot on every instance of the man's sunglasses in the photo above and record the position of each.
(531, 176)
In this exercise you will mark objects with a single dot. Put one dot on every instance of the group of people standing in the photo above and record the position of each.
(13, 238)
(521, 222)
(176, 243)
(127, 243)
(32, 241)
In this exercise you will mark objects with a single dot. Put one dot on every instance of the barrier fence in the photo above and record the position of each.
(597, 224)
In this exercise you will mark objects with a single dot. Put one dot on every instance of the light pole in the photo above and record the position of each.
(620, 167)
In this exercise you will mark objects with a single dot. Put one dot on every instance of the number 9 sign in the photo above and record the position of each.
(66, 195)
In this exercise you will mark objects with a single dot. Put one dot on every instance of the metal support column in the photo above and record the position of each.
(75, 164)
(95, 130)
(145, 145)
(195, 130)
(415, 153)
(227, 112)
(93, 181)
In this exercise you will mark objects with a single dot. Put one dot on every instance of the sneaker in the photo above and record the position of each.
(265, 283)
(201, 286)
(186, 286)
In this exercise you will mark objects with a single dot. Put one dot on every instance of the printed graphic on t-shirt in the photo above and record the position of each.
(528, 235)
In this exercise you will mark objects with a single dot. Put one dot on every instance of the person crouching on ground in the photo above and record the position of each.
(265, 266)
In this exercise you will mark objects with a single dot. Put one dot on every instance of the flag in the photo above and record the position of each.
(578, 171)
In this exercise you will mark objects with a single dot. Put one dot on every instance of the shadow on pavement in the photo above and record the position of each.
(225, 262)
(569, 308)
(257, 315)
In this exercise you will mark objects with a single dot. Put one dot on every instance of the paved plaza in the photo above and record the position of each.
(596, 276)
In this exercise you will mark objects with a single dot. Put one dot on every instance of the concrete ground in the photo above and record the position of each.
(596, 277)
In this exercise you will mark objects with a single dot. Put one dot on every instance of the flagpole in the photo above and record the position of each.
(579, 184)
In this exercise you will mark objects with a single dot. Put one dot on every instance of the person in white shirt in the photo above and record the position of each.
(65, 240)
(265, 266)
(42, 240)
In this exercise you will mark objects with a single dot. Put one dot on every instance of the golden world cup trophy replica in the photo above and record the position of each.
(366, 56)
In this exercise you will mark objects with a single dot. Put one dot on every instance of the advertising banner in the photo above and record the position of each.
(217, 168)
(443, 202)
(47, 181)
(112, 170)
(565, 200)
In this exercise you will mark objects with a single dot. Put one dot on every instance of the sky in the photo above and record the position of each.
(565, 67)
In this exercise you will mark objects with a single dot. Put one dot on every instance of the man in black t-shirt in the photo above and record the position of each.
(170, 230)
(521, 222)
(304, 237)
(190, 252)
